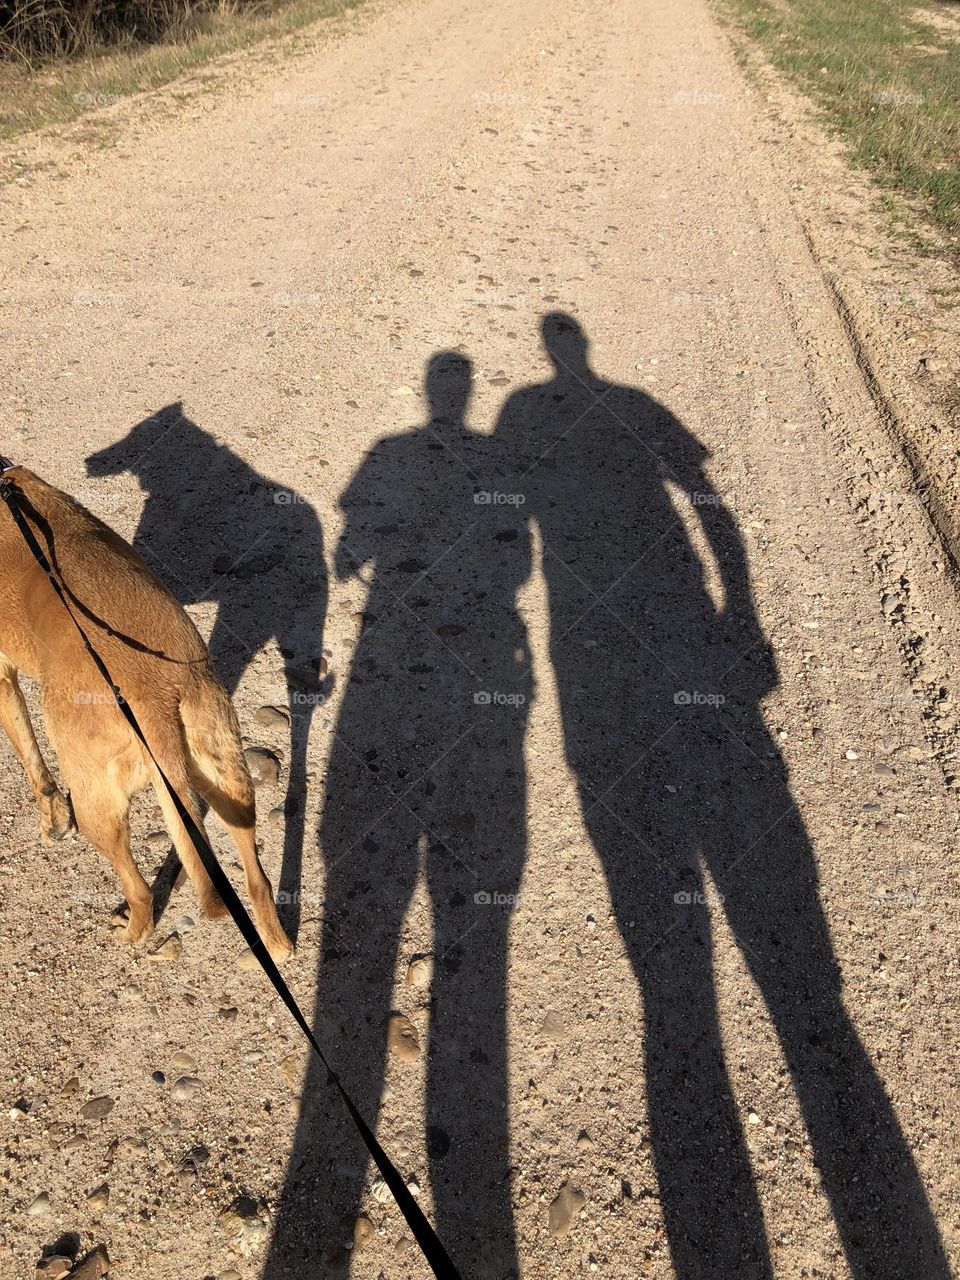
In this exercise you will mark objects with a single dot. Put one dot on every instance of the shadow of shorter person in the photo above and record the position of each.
(215, 530)
(426, 777)
(687, 802)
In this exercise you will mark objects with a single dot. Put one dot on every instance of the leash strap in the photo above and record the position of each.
(428, 1240)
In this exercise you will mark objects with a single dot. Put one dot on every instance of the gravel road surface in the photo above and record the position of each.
(468, 376)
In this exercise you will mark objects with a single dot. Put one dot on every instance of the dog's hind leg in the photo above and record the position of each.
(56, 818)
(100, 763)
(220, 775)
(101, 809)
(210, 901)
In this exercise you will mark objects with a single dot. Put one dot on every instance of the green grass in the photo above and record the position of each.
(886, 77)
(55, 91)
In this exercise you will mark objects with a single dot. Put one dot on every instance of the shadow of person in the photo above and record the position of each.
(426, 775)
(686, 799)
(214, 530)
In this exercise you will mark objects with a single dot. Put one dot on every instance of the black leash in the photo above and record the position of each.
(428, 1240)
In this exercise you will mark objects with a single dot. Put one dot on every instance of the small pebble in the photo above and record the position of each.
(263, 765)
(95, 1265)
(185, 1088)
(39, 1206)
(362, 1233)
(564, 1209)
(97, 1108)
(55, 1267)
(244, 1224)
(99, 1198)
(402, 1039)
(291, 1068)
(934, 364)
(551, 1029)
(420, 971)
(273, 717)
(170, 949)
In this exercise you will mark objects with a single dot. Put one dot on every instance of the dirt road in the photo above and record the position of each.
(469, 378)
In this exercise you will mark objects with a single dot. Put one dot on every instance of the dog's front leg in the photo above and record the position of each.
(56, 816)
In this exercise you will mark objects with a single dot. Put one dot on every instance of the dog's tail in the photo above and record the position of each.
(218, 767)
(218, 771)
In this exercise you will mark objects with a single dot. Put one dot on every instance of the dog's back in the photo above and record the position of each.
(135, 623)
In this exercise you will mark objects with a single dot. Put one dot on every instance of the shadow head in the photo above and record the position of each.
(447, 384)
(167, 439)
(565, 342)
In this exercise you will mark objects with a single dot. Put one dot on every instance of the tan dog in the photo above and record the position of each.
(159, 662)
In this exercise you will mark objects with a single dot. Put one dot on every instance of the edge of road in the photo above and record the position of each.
(53, 145)
(906, 349)
(872, 324)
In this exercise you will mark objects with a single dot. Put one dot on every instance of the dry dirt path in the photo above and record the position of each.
(706, 786)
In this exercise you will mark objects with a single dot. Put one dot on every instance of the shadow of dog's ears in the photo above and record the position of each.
(140, 441)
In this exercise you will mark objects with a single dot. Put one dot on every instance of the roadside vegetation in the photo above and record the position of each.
(62, 58)
(886, 74)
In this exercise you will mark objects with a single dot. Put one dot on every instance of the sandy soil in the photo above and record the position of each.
(622, 743)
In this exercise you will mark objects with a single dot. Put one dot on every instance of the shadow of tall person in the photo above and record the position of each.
(215, 530)
(687, 803)
(426, 777)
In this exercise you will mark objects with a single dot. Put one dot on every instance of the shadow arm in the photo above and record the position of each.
(726, 544)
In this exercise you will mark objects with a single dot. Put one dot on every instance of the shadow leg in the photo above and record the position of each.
(467, 1096)
(290, 883)
(710, 1204)
(233, 644)
(367, 895)
(869, 1175)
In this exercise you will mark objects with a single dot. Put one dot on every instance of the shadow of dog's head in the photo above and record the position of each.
(162, 441)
